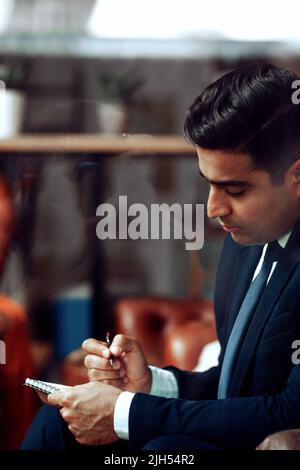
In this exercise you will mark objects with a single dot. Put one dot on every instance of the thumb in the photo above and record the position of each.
(123, 344)
(56, 399)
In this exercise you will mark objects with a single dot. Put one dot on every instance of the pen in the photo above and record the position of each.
(108, 342)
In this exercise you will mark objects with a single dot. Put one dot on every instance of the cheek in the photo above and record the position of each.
(269, 212)
(249, 211)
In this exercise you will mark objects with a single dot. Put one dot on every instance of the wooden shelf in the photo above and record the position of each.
(95, 143)
(54, 44)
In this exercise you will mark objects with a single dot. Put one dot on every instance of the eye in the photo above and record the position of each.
(236, 193)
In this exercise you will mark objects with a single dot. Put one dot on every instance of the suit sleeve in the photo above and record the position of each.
(197, 385)
(230, 423)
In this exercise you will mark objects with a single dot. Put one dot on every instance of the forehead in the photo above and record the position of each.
(219, 164)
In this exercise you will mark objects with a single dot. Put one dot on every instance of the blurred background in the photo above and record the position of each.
(93, 95)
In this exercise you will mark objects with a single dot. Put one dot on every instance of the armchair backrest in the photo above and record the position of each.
(171, 331)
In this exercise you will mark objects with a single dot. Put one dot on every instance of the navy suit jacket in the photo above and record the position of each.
(264, 393)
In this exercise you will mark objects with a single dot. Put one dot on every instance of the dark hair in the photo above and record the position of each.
(249, 110)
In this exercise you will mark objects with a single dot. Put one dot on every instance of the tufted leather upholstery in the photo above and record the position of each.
(171, 331)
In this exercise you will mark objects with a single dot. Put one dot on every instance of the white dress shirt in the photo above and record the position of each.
(164, 383)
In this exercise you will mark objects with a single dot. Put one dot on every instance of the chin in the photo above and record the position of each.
(247, 240)
(243, 239)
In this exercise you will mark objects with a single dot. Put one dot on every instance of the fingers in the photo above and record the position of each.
(93, 346)
(105, 374)
(73, 430)
(117, 381)
(100, 369)
(123, 344)
(93, 361)
(98, 364)
(99, 349)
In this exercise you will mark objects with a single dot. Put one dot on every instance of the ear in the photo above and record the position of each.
(295, 172)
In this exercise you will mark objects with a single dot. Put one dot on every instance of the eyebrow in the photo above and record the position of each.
(224, 182)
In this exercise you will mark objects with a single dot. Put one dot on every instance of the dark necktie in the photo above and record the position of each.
(243, 318)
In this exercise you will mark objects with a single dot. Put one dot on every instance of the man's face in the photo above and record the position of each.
(245, 201)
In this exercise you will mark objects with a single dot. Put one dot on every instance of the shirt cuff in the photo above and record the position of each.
(121, 415)
(164, 383)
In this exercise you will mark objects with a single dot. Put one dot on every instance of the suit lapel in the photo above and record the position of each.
(281, 275)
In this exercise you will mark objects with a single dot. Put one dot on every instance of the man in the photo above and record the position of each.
(246, 132)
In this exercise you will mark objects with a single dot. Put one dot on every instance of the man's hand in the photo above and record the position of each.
(89, 411)
(129, 371)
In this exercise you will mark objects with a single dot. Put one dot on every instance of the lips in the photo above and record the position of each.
(229, 228)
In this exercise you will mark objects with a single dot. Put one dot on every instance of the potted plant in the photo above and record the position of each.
(13, 76)
(118, 92)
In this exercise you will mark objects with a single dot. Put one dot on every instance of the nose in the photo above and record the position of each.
(217, 204)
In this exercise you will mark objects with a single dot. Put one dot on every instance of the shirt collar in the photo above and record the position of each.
(284, 239)
(282, 242)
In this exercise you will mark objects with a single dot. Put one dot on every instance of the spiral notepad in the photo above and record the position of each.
(45, 387)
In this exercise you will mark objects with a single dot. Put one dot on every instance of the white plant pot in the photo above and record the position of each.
(12, 107)
(111, 118)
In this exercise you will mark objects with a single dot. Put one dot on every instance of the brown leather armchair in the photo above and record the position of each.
(283, 440)
(171, 331)
(17, 403)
